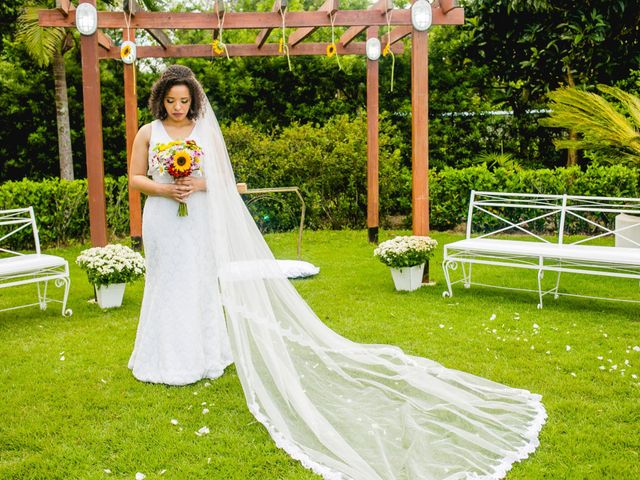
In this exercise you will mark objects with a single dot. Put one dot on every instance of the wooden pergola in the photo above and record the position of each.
(98, 46)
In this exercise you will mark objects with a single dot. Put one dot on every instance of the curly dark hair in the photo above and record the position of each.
(172, 76)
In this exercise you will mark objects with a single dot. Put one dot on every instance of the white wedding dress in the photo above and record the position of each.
(347, 411)
(181, 335)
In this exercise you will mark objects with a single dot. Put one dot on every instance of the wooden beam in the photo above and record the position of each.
(396, 34)
(420, 132)
(64, 6)
(133, 7)
(93, 137)
(329, 6)
(447, 5)
(249, 20)
(131, 128)
(263, 35)
(104, 40)
(373, 205)
(383, 6)
(243, 50)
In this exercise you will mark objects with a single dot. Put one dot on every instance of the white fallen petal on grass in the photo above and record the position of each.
(602, 367)
(634, 376)
(203, 431)
(62, 358)
(600, 357)
(573, 374)
(207, 384)
(107, 471)
(536, 326)
(162, 472)
(140, 476)
(205, 411)
(636, 348)
(174, 421)
(441, 326)
(103, 380)
(492, 317)
(567, 348)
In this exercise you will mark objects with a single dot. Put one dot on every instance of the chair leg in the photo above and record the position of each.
(66, 312)
(540, 277)
(42, 294)
(446, 265)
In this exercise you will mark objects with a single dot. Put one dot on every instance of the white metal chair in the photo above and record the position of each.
(23, 268)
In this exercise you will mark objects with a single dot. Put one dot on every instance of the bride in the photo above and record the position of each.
(344, 410)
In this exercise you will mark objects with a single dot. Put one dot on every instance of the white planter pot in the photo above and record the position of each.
(407, 278)
(110, 295)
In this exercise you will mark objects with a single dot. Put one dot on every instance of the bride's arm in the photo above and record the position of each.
(138, 179)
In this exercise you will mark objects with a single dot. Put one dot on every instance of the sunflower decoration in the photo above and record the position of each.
(387, 50)
(178, 159)
(217, 47)
(128, 52)
(331, 50)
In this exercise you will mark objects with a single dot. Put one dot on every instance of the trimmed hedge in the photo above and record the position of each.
(450, 188)
(329, 165)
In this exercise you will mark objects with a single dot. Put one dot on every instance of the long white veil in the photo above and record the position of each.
(347, 410)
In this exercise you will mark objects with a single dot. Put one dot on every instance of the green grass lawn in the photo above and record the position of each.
(69, 407)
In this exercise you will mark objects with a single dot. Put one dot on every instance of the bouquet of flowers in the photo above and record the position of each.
(111, 264)
(179, 158)
(407, 251)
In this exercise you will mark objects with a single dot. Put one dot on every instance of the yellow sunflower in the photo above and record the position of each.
(331, 50)
(181, 161)
(125, 51)
(217, 47)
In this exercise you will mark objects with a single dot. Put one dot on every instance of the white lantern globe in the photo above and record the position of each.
(421, 15)
(128, 52)
(373, 48)
(86, 19)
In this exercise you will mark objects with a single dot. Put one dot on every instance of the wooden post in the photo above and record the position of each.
(131, 128)
(420, 134)
(373, 204)
(93, 136)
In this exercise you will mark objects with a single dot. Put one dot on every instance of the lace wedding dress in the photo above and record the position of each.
(347, 410)
(181, 335)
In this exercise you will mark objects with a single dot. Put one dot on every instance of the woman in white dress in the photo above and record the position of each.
(181, 334)
(347, 411)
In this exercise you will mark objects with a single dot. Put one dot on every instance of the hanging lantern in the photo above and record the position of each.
(373, 48)
(128, 52)
(421, 15)
(86, 19)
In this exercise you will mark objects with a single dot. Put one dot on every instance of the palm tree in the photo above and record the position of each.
(48, 46)
(607, 129)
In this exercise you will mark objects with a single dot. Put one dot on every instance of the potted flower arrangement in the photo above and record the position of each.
(109, 268)
(406, 256)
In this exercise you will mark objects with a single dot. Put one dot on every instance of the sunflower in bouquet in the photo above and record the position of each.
(179, 158)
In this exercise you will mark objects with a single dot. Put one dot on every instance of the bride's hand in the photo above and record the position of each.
(191, 184)
(176, 191)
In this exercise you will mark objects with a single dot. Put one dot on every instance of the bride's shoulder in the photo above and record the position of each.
(145, 131)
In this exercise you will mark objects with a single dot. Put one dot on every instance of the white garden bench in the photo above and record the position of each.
(493, 217)
(23, 268)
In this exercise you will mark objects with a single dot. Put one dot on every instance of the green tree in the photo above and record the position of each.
(609, 130)
(47, 46)
(533, 46)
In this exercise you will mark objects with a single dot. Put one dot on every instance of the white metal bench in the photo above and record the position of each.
(24, 268)
(493, 216)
